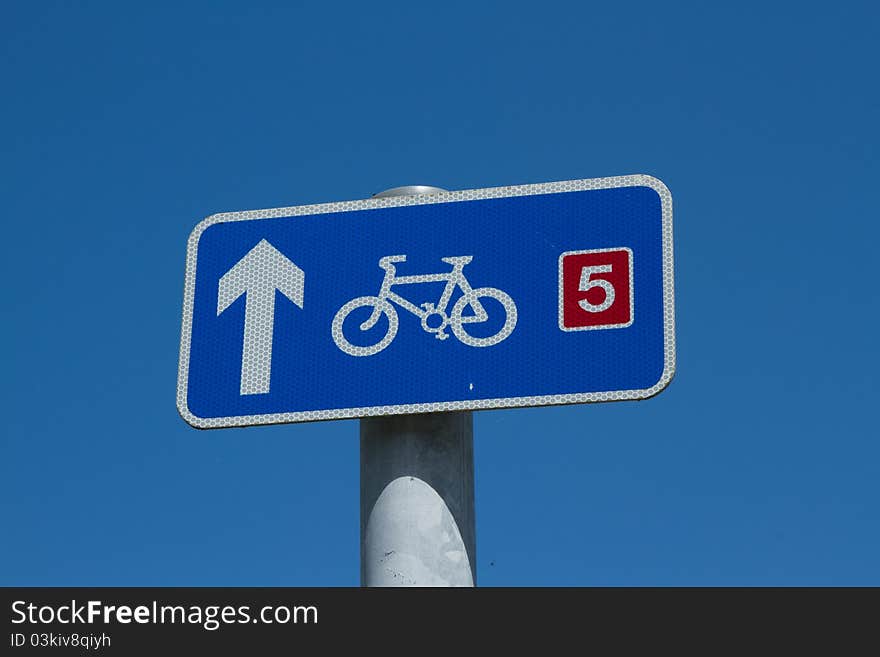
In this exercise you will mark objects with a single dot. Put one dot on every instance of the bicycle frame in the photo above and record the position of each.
(454, 278)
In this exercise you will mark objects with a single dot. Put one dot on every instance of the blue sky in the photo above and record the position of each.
(125, 124)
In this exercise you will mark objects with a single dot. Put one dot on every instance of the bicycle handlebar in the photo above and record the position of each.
(387, 261)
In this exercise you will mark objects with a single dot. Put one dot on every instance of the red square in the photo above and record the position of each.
(595, 289)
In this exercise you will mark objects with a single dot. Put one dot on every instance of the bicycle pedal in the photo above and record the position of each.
(441, 336)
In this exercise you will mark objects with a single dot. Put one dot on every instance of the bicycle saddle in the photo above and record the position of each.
(454, 260)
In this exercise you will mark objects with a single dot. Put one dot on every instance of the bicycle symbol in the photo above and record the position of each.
(434, 318)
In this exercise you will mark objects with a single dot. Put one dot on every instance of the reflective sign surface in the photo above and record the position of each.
(513, 296)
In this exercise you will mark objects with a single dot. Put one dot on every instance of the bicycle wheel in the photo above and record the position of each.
(455, 318)
(363, 302)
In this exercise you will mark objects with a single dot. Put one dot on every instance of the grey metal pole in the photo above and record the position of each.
(417, 493)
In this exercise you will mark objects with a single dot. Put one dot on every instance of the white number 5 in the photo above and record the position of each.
(587, 284)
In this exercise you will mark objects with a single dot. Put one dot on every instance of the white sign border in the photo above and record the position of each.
(587, 184)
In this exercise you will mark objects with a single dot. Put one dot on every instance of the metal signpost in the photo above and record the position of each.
(418, 518)
(531, 295)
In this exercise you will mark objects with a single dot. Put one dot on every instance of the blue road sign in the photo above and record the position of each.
(532, 295)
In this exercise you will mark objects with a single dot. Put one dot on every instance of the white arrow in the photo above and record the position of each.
(258, 274)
